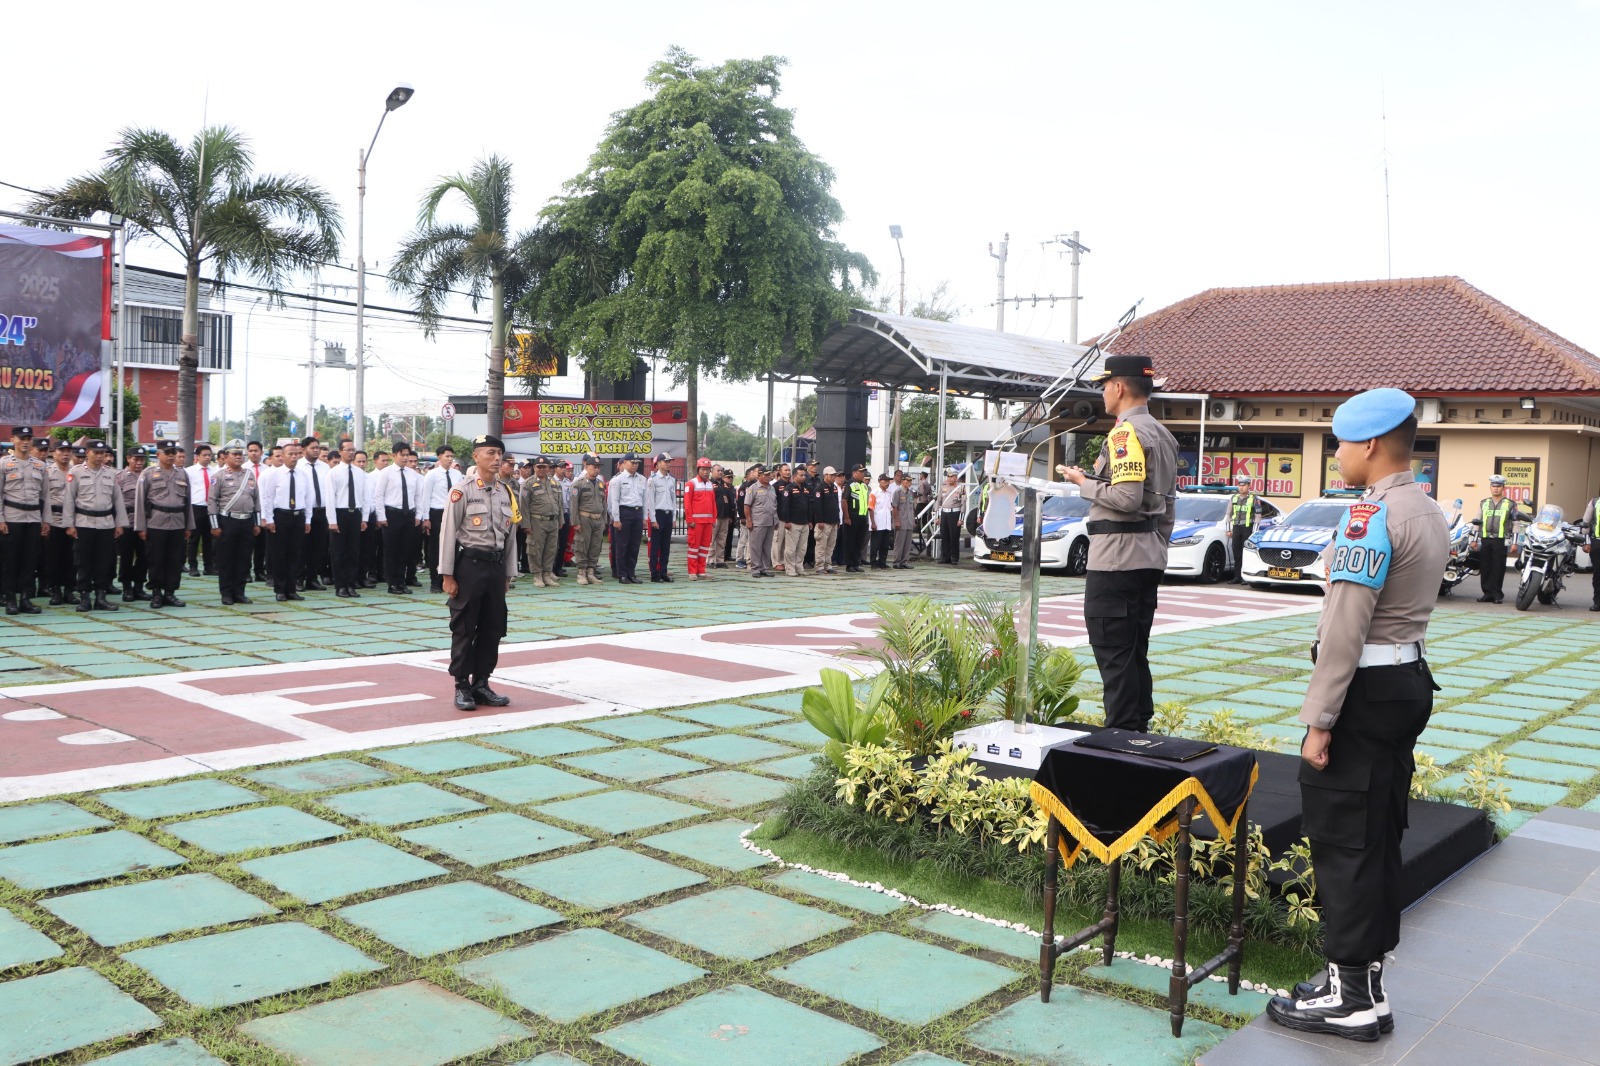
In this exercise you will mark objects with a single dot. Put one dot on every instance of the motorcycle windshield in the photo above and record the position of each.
(1549, 518)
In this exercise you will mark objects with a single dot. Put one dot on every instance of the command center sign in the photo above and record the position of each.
(55, 326)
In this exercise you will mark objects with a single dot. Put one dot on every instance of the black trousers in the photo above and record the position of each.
(522, 551)
(288, 549)
(1492, 560)
(431, 543)
(858, 545)
(131, 568)
(258, 554)
(881, 541)
(660, 543)
(399, 546)
(345, 542)
(1594, 561)
(95, 552)
(235, 544)
(19, 550)
(315, 558)
(1240, 535)
(625, 541)
(200, 543)
(58, 568)
(1354, 811)
(372, 551)
(1119, 607)
(164, 549)
(563, 539)
(477, 619)
(949, 536)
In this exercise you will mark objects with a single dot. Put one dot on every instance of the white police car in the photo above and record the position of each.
(1290, 552)
(1202, 540)
(1063, 542)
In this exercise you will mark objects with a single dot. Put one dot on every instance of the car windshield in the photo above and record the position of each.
(1322, 514)
(1201, 509)
(1059, 507)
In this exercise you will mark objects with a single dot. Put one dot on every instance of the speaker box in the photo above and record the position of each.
(623, 390)
(841, 426)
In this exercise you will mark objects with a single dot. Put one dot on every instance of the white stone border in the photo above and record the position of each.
(1020, 927)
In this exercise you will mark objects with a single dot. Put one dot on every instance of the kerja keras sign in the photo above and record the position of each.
(609, 428)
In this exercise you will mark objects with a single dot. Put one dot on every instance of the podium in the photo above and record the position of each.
(1105, 803)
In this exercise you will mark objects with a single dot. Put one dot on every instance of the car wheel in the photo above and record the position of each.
(1215, 568)
(1078, 558)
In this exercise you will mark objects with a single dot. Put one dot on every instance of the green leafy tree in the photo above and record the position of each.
(444, 257)
(702, 229)
(270, 420)
(206, 203)
(130, 402)
(726, 440)
(919, 424)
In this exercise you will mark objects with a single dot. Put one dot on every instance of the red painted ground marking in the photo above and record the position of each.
(29, 748)
(182, 728)
(696, 666)
(385, 682)
(433, 709)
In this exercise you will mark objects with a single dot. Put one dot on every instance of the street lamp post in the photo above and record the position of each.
(894, 418)
(397, 98)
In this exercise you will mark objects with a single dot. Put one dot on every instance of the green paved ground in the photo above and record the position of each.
(579, 891)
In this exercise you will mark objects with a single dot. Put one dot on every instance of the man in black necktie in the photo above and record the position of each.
(349, 522)
(398, 504)
(315, 555)
(287, 520)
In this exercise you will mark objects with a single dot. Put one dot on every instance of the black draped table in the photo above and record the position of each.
(1107, 802)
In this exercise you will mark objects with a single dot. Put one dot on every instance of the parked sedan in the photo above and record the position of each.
(1202, 542)
(1290, 552)
(1063, 542)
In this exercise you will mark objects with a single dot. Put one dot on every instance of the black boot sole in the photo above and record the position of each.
(1291, 1019)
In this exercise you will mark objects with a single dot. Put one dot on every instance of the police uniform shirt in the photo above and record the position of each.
(660, 493)
(1498, 519)
(128, 486)
(233, 493)
(1384, 570)
(952, 497)
(1591, 522)
(477, 515)
(55, 480)
(1140, 460)
(627, 490)
(589, 497)
(93, 490)
(541, 498)
(1243, 508)
(762, 500)
(905, 507)
(162, 501)
(21, 488)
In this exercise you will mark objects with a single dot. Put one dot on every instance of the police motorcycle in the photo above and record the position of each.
(1464, 547)
(1548, 554)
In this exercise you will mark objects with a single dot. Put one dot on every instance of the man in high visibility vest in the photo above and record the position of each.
(1497, 516)
(1591, 523)
(1244, 508)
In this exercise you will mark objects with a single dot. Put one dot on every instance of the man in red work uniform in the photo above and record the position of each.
(700, 515)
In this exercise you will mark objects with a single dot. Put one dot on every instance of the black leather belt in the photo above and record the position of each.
(168, 510)
(1148, 525)
(83, 513)
(346, 510)
(25, 506)
(627, 507)
(481, 555)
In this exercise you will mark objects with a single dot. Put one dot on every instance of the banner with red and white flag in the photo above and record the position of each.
(55, 326)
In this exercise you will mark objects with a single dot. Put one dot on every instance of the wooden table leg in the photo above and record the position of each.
(1113, 909)
(1047, 949)
(1178, 987)
(1241, 874)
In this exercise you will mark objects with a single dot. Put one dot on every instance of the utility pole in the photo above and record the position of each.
(1000, 297)
(311, 359)
(1070, 240)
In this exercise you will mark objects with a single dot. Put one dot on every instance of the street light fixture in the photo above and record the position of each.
(397, 98)
(894, 231)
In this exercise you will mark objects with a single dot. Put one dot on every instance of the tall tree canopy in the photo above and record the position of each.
(702, 229)
(205, 202)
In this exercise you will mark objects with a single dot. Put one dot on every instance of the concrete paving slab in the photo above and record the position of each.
(250, 964)
(126, 913)
(447, 917)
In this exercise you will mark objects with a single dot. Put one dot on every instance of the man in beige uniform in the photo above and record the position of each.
(541, 517)
(164, 519)
(589, 515)
(57, 570)
(95, 517)
(1131, 498)
(22, 502)
(1370, 696)
(233, 516)
(477, 561)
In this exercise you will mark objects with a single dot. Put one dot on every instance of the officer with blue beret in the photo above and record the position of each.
(1370, 696)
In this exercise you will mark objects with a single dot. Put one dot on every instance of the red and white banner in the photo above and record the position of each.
(55, 326)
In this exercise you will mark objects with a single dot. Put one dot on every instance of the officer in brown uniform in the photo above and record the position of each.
(477, 562)
(1131, 498)
(22, 504)
(57, 570)
(164, 520)
(233, 510)
(1369, 697)
(130, 549)
(95, 518)
(589, 514)
(541, 517)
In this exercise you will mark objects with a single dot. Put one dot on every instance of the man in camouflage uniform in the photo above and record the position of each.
(541, 517)
(95, 517)
(589, 513)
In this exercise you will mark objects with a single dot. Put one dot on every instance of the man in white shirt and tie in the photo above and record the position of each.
(349, 503)
(199, 473)
(436, 488)
(315, 563)
(286, 512)
(401, 505)
(255, 461)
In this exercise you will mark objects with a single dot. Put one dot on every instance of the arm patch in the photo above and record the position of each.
(1127, 454)
(1362, 550)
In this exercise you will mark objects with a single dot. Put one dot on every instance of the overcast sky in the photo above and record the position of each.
(1192, 144)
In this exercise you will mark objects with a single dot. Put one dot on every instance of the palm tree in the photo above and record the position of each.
(442, 258)
(205, 202)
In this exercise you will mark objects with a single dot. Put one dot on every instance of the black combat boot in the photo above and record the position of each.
(1380, 1000)
(27, 606)
(102, 604)
(84, 605)
(57, 596)
(487, 696)
(1345, 1009)
(464, 700)
(11, 605)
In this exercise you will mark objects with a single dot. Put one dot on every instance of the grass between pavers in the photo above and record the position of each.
(1272, 964)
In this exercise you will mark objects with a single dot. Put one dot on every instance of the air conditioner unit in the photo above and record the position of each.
(1429, 411)
(1222, 410)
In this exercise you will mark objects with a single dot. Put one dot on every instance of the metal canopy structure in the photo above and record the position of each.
(919, 354)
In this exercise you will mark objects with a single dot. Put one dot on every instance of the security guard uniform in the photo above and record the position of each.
(163, 517)
(1591, 525)
(761, 513)
(1244, 507)
(130, 549)
(95, 515)
(794, 512)
(541, 517)
(1497, 521)
(1129, 524)
(478, 552)
(589, 512)
(22, 501)
(1372, 690)
(233, 509)
(860, 528)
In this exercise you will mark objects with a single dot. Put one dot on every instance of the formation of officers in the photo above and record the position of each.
(305, 519)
